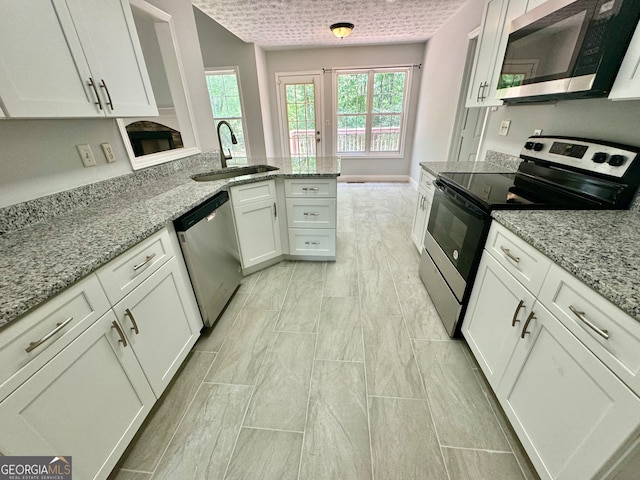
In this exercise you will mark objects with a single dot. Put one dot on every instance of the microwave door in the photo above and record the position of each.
(543, 48)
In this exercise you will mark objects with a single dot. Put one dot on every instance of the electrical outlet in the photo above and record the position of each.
(108, 152)
(504, 127)
(86, 155)
(537, 132)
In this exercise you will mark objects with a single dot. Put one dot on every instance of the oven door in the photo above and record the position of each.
(455, 236)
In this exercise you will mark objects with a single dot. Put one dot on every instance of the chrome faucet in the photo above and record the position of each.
(223, 156)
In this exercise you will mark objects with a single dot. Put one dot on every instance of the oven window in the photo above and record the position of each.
(458, 231)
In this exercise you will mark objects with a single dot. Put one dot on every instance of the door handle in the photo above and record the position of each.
(515, 314)
(526, 324)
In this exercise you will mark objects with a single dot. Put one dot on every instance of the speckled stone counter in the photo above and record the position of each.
(46, 245)
(598, 247)
(467, 167)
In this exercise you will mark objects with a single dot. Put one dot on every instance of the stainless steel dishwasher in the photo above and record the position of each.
(210, 249)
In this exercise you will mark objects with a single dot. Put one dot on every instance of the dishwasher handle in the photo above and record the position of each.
(205, 210)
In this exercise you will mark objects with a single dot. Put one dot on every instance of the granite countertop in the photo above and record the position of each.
(598, 247)
(436, 168)
(40, 259)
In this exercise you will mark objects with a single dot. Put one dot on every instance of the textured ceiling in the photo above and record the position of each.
(305, 23)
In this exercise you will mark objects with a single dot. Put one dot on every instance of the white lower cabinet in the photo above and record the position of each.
(426, 189)
(257, 222)
(573, 415)
(87, 402)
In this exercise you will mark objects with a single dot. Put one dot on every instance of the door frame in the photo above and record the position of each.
(320, 148)
(456, 139)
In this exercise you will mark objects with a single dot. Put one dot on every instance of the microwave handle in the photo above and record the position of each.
(462, 203)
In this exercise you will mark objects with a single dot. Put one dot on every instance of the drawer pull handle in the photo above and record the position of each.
(509, 254)
(515, 314)
(603, 333)
(312, 243)
(59, 326)
(311, 214)
(122, 340)
(310, 189)
(146, 260)
(128, 313)
(526, 324)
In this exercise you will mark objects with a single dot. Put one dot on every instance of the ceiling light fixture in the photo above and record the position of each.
(342, 29)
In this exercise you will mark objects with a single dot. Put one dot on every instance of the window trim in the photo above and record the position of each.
(227, 70)
(404, 118)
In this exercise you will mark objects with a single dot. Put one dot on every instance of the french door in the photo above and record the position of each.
(300, 113)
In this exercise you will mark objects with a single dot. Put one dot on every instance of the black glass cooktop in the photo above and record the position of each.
(521, 190)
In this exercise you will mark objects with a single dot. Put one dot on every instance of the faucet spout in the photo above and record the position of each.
(223, 156)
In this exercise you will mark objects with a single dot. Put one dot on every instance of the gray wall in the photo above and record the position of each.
(304, 60)
(220, 48)
(39, 157)
(443, 67)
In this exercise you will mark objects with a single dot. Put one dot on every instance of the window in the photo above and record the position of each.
(371, 111)
(226, 104)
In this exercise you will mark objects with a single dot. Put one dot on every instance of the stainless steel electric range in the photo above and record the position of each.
(556, 173)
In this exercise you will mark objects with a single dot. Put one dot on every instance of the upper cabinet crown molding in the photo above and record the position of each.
(72, 58)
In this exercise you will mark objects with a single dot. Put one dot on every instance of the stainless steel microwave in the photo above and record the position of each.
(566, 49)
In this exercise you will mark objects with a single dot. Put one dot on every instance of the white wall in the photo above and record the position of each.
(599, 119)
(270, 130)
(39, 157)
(220, 48)
(443, 68)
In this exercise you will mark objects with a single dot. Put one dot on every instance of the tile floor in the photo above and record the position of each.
(332, 371)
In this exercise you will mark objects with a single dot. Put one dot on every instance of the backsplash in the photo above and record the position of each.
(502, 159)
(21, 215)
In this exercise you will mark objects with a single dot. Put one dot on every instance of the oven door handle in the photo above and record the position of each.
(461, 202)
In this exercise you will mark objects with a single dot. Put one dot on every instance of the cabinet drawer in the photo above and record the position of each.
(521, 260)
(252, 192)
(126, 272)
(71, 312)
(310, 188)
(426, 182)
(577, 306)
(312, 242)
(311, 212)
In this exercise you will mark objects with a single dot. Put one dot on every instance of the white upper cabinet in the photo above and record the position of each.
(64, 59)
(627, 84)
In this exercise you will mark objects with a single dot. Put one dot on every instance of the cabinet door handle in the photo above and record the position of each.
(603, 333)
(128, 313)
(275, 210)
(484, 86)
(478, 97)
(106, 89)
(37, 343)
(526, 324)
(146, 260)
(312, 243)
(92, 84)
(310, 189)
(515, 314)
(122, 340)
(311, 214)
(509, 254)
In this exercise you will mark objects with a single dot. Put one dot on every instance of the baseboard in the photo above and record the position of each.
(374, 178)
(413, 183)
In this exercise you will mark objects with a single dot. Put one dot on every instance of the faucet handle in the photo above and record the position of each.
(229, 156)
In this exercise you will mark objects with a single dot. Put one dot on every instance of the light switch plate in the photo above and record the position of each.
(108, 152)
(504, 127)
(86, 155)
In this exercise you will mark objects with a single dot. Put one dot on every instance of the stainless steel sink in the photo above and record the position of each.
(231, 172)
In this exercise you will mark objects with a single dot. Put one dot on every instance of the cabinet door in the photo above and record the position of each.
(627, 84)
(156, 318)
(497, 310)
(570, 412)
(87, 402)
(419, 221)
(110, 42)
(492, 24)
(258, 230)
(43, 72)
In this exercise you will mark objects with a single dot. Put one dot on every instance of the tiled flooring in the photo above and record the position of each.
(332, 371)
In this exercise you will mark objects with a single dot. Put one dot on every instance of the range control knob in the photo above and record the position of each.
(538, 146)
(528, 145)
(617, 160)
(599, 157)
